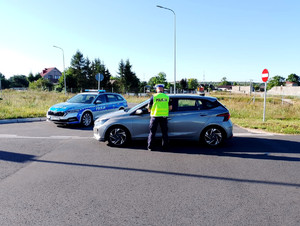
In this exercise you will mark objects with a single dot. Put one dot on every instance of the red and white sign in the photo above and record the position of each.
(265, 75)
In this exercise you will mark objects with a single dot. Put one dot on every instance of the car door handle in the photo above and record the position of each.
(203, 115)
(169, 118)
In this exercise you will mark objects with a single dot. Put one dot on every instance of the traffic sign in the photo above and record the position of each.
(99, 77)
(265, 75)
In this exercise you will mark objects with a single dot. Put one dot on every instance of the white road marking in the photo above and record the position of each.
(13, 136)
(253, 134)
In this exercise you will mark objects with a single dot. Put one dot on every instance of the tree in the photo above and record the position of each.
(98, 67)
(183, 84)
(293, 78)
(159, 79)
(224, 82)
(41, 84)
(32, 78)
(19, 81)
(4, 82)
(78, 71)
(275, 81)
(129, 82)
(37, 76)
(142, 87)
(71, 81)
(192, 83)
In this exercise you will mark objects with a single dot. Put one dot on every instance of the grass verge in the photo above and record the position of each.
(281, 117)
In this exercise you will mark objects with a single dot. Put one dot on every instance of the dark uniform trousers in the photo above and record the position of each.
(163, 123)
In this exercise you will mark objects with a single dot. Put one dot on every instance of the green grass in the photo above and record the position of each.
(27, 104)
(280, 118)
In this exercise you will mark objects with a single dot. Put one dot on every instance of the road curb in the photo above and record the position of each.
(22, 120)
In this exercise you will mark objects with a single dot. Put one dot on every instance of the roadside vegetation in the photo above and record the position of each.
(281, 116)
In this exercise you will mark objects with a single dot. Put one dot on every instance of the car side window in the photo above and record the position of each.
(111, 98)
(187, 105)
(88, 99)
(102, 98)
(119, 98)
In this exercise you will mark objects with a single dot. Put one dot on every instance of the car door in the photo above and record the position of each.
(140, 124)
(187, 118)
(112, 102)
(100, 106)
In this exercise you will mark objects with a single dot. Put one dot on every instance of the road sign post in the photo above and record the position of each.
(99, 78)
(265, 77)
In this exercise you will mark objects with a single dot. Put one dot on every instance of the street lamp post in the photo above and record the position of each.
(174, 44)
(64, 68)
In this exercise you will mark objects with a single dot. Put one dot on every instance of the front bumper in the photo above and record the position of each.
(67, 119)
(97, 135)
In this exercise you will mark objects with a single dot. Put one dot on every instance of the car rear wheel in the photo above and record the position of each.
(87, 119)
(212, 136)
(118, 136)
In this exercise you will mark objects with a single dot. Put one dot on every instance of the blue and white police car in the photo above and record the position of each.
(84, 108)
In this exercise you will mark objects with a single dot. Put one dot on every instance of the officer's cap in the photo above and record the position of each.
(160, 85)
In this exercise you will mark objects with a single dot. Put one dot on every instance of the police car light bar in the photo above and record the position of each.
(95, 90)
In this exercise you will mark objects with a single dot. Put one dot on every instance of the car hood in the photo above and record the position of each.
(65, 106)
(114, 114)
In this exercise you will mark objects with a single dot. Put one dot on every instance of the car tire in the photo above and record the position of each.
(86, 119)
(212, 136)
(118, 136)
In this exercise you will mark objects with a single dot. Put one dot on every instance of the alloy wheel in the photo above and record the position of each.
(213, 137)
(86, 119)
(117, 136)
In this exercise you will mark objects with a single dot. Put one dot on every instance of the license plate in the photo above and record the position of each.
(54, 118)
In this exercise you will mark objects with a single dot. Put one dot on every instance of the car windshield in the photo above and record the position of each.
(138, 106)
(82, 98)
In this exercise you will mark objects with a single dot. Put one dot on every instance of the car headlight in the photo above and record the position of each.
(73, 111)
(101, 121)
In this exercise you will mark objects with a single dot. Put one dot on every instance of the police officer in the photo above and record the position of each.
(159, 107)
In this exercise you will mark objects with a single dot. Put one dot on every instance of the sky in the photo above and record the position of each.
(214, 39)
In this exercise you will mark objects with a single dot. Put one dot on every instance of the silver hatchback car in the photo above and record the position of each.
(192, 117)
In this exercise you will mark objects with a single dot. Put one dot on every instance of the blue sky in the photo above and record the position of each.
(215, 39)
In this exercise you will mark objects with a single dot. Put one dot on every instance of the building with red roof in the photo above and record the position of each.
(52, 74)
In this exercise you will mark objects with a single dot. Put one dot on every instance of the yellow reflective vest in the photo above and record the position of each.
(160, 107)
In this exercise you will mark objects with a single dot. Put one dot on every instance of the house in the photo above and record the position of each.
(289, 84)
(225, 87)
(52, 74)
(243, 89)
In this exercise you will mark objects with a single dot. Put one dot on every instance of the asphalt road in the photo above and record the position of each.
(53, 175)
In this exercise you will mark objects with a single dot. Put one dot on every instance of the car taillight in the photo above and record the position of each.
(225, 115)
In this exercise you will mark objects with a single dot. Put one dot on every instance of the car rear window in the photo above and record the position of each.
(210, 104)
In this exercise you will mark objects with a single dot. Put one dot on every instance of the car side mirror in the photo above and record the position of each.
(139, 112)
(98, 102)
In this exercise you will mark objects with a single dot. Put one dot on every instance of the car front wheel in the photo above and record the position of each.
(87, 119)
(212, 136)
(118, 136)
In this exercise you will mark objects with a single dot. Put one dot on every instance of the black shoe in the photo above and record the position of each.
(165, 148)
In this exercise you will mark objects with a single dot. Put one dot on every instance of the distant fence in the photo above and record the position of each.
(285, 90)
(138, 94)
